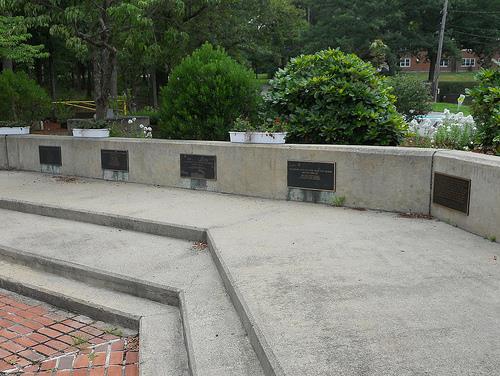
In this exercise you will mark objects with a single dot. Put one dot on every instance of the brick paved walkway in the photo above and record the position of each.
(37, 339)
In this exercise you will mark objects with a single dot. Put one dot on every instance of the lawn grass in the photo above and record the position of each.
(447, 76)
(440, 107)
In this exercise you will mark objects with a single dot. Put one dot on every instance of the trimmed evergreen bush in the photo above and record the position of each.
(205, 94)
(486, 107)
(335, 98)
(413, 96)
(21, 98)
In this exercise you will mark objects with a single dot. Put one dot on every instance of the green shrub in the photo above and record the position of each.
(205, 94)
(486, 107)
(412, 95)
(449, 91)
(334, 98)
(21, 98)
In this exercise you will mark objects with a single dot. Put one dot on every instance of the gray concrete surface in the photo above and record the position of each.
(335, 291)
(388, 178)
(219, 342)
(484, 173)
(160, 325)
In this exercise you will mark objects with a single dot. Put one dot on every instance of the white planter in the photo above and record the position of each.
(258, 137)
(14, 130)
(93, 133)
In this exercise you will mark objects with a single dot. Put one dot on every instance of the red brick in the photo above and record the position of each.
(58, 345)
(97, 341)
(49, 332)
(115, 370)
(26, 314)
(25, 341)
(66, 339)
(31, 355)
(79, 334)
(39, 310)
(16, 319)
(82, 361)
(40, 338)
(48, 365)
(32, 324)
(116, 357)
(80, 372)
(73, 323)
(45, 350)
(19, 305)
(132, 370)
(32, 368)
(132, 357)
(44, 373)
(99, 359)
(12, 347)
(117, 346)
(6, 323)
(44, 320)
(97, 371)
(11, 310)
(63, 373)
(62, 328)
(5, 366)
(91, 330)
(109, 337)
(16, 360)
(4, 353)
(21, 329)
(8, 334)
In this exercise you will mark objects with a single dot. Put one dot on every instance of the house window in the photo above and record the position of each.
(468, 62)
(445, 63)
(405, 62)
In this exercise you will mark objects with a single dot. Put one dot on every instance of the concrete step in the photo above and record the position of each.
(159, 325)
(219, 342)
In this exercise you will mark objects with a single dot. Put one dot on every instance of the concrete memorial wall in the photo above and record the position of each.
(460, 188)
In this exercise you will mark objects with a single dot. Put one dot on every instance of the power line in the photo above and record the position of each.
(473, 12)
(478, 36)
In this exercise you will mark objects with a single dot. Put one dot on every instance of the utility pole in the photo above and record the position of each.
(437, 68)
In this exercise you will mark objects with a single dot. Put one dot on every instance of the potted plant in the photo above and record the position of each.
(268, 132)
(91, 128)
(11, 128)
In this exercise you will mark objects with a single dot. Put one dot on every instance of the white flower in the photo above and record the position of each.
(150, 129)
(130, 121)
(141, 126)
(134, 119)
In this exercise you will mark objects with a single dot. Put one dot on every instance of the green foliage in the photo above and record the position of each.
(454, 135)
(21, 99)
(412, 96)
(14, 38)
(153, 114)
(338, 201)
(455, 88)
(334, 98)
(486, 107)
(206, 92)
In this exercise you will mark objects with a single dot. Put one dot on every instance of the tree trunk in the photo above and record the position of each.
(89, 80)
(154, 87)
(52, 73)
(7, 64)
(432, 68)
(103, 77)
(114, 78)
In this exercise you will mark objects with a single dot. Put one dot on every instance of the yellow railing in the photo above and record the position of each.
(91, 107)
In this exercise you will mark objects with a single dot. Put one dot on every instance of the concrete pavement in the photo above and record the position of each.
(335, 291)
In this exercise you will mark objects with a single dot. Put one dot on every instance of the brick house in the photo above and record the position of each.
(468, 62)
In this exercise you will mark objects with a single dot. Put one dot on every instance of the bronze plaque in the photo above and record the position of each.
(50, 155)
(311, 175)
(116, 160)
(452, 192)
(199, 166)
